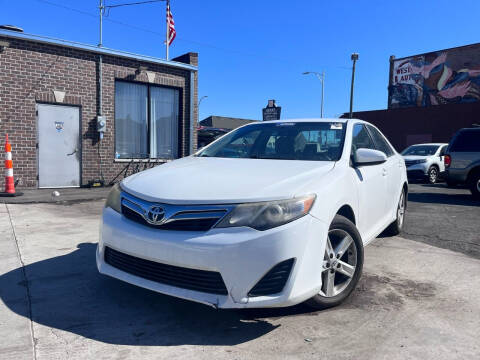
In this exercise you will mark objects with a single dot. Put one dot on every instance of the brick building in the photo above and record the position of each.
(50, 103)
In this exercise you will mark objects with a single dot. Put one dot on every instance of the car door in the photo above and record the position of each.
(371, 187)
(392, 169)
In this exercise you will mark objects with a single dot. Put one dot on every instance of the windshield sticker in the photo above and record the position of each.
(336, 126)
(286, 124)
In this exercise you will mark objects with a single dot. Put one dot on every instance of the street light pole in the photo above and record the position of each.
(200, 101)
(323, 88)
(321, 77)
(354, 58)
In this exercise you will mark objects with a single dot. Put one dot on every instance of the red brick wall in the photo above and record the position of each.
(31, 71)
(437, 123)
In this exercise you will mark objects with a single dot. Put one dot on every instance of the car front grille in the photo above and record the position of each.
(178, 225)
(274, 281)
(172, 217)
(198, 280)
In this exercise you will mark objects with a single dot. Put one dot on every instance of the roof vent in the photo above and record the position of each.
(11, 28)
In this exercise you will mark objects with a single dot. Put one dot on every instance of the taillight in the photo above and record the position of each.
(447, 160)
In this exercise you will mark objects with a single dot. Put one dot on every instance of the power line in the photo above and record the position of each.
(134, 3)
(138, 28)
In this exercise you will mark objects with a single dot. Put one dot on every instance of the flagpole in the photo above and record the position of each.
(168, 27)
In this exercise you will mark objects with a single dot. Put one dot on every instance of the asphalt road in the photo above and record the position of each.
(418, 296)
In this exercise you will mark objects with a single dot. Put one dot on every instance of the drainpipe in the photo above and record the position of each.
(192, 115)
(100, 88)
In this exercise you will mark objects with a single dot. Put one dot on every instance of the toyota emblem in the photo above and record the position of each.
(155, 215)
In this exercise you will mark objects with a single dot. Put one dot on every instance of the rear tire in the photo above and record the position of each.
(474, 184)
(432, 175)
(341, 264)
(396, 227)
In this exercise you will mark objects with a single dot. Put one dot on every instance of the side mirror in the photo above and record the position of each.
(365, 157)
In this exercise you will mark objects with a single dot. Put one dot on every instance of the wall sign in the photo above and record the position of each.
(59, 126)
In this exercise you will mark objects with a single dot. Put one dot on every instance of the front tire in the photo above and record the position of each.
(341, 264)
(474, 184)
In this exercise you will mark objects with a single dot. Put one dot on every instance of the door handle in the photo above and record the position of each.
(74, 151)
(384, 172)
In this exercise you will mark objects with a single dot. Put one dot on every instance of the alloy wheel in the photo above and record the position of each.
(339, 263)
(433, 175)
(478, 185)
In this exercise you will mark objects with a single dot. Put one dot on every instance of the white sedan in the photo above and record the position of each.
(271, 214)
(425, 161)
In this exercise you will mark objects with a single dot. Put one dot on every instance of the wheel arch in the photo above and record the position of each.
(474, 170)
(405, 189)
(347, 211)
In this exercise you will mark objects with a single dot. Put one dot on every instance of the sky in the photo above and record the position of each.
(250, 52)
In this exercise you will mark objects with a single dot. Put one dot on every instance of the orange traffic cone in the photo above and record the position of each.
(9, 183)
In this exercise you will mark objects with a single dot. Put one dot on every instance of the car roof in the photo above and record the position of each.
(336, 120)
(439, 144)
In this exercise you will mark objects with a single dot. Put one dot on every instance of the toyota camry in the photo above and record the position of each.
(271, 214)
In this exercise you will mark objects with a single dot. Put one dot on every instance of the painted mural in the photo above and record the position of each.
(451, 76)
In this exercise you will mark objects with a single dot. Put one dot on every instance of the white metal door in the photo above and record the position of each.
(59, 150)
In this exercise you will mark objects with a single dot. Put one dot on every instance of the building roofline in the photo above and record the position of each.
(435, 51)
(94, 49)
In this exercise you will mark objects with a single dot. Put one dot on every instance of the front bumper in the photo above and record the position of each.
(241, 255)
(417, 171)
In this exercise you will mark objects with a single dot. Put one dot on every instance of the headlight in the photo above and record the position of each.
(113, 199)
(266, 215)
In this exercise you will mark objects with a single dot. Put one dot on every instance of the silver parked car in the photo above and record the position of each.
(425, 161)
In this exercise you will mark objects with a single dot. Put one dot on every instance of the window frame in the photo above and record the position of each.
(180, 125)
(369, 129)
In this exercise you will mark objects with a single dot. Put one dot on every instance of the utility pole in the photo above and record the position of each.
(321, 77)
(101, 8)
(354, 58)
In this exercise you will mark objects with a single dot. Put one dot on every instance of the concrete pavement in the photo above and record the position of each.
(414, 300)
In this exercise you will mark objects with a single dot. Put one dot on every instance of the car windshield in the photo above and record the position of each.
(421, 150)
(321, 141)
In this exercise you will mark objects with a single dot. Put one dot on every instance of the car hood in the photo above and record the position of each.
(196, 180)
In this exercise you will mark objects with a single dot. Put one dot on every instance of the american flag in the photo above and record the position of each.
(171, 26)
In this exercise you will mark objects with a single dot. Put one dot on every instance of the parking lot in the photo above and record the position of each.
(418, 296)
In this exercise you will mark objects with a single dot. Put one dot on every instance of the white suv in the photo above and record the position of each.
(270, 214)
(425, 161)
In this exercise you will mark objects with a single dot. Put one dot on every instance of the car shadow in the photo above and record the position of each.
(443, 198)
(67, 293)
